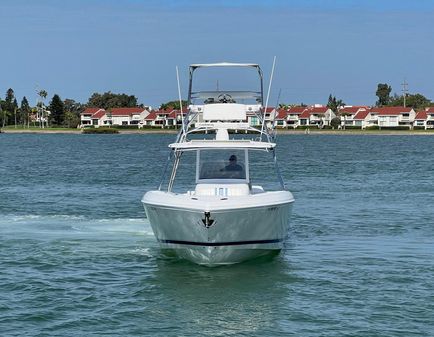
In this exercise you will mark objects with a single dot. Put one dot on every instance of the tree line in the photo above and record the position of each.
(58, 112)
(415, 101)
(66, 112)
(383, 93)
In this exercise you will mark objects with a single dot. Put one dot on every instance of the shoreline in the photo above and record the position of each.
(279, 132)
(79, 132)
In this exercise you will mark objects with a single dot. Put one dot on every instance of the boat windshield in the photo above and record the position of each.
(221, 164)
(214, 166)
(226, 85)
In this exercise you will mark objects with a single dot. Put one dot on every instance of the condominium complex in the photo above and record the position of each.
(291, 118)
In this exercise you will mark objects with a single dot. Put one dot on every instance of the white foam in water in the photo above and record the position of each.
(72, 224)
(147, 252)
(139, 226)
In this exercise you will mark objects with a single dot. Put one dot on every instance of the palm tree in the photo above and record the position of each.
(42, 95)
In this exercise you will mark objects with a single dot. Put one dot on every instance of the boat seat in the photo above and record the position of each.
(222, 190)
(224, 112)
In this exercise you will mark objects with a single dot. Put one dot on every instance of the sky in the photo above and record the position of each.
(342, 47)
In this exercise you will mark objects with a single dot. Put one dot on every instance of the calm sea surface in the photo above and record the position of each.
(77, 257)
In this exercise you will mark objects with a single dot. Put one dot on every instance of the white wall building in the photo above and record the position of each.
(117, 116)
(92, 117)
(127, 116)
(393, 116)
(429, 118)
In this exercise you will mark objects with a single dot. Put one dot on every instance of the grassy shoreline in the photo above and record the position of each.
(80, 131)
(173, 131)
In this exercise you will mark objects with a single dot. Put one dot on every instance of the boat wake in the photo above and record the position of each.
(73, 224)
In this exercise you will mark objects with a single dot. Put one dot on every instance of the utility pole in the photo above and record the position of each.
(404, 90)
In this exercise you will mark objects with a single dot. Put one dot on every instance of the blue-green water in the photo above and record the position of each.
(77, 258)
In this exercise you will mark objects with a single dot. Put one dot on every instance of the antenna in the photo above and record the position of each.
(180, 99)
(404, 90)
(276, 112)
(268, 95)
(278, 97)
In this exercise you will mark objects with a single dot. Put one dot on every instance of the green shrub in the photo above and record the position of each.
(126, 127)
(304, 127)
(395, 128)
(100, 130)
(158, 127)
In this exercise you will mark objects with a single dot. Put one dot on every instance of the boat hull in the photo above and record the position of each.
(219, 233)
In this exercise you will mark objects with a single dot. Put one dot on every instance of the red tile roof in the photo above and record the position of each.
(305, 114)
(352, 109)
(392, 110)
(297, 109)
(281, 114)
(430, 110)
(270, 109)
(90, 111)
(176, 113)
(126, 111)
(172, 114)
(99, 113)
(319, 110)
(164, 111)
(422, 115)
(361, 115)
(152, 116)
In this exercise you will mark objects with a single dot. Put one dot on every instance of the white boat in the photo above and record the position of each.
(218, 214)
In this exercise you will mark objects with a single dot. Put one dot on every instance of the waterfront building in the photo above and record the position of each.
(174, 118)
(392, 117)
(314, 116)
(293, 116)
(361, 118)
(430, 118)
(281, 118)
(117, 116)
(421, 119)
(318, 116)
(92, 117)
(149, 120)
(128, 116)
(164, 118)
(348, 113)
(253, 120)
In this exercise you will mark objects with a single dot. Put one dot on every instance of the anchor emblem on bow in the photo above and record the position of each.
(207, 221)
